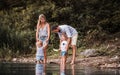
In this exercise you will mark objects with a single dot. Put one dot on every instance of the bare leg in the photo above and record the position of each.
(73, 54)
(45, 55)
(44, 70)
(45, 58)
(62, 63)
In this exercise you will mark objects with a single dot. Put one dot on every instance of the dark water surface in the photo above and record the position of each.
(52, 69)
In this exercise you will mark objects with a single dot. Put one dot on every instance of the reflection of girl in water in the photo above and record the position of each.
(40, 69)
(62, 73)
(62, 69)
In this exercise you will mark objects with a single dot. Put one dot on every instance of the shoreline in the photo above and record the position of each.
(99, 61)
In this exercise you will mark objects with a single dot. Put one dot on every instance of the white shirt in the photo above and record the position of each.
(63, 45)
(68, 30)
(40, 51)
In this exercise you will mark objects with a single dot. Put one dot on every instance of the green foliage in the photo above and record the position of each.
(94, 20)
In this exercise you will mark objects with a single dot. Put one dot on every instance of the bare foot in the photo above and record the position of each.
(41, 61)
(72, 63)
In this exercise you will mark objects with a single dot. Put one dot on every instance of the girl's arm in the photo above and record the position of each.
(59, 45)
(37, 31)
(67, 46)
(48, 30)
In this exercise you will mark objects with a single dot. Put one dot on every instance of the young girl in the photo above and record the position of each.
(63, 48)
(40, 52)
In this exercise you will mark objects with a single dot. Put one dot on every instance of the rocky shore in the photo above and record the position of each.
(99, 61)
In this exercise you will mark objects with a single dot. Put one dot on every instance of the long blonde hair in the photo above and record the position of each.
(41, 16)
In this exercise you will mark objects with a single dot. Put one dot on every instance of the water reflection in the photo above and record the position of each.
(52, 69)
(73, 69)
(40, 69)
(65, 71)
(62, 69)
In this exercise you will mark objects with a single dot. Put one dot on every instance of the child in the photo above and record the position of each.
(39, 52)
(63, 48)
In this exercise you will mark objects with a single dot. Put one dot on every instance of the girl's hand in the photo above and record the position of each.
(46, 40)
(59, 50)
(37, 39)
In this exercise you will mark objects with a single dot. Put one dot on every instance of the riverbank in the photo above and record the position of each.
(99, 61)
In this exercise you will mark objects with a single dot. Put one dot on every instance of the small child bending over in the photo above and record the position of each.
(39, 52)
(63, 48)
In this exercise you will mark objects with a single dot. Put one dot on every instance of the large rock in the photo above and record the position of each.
(89, 53)
(115, 59)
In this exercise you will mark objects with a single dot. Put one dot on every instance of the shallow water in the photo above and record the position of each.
(52, 69)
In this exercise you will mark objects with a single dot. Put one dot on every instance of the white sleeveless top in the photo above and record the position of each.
(43, 32)
(63, 45)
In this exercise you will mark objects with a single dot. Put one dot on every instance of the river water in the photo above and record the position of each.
(52, 69)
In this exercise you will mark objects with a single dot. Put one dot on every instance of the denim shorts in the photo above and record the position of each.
(39, 57)
(43, 39)
(63, 53)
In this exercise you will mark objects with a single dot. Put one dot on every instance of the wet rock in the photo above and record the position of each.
(118, 65)
(14, 59)
(89, 53)
(114, 59)
(113, 65)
